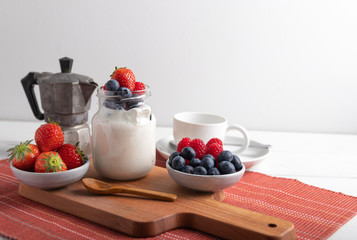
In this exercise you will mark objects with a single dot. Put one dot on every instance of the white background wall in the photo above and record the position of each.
(288, 65)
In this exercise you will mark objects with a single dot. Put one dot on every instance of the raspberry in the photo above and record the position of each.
(214, 149)
(139, 88)
(199, 146)
(214, 140)
(185, 142)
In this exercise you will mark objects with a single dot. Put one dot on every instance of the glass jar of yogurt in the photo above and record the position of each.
(123, 135)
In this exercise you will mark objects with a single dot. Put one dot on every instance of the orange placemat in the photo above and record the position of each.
(316, 213)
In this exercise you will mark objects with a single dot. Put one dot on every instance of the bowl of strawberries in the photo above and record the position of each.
(203, 166)
(48, 163)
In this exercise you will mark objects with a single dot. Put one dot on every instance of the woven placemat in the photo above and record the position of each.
(316, 213)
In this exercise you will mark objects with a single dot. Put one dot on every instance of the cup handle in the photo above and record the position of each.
(245, 136)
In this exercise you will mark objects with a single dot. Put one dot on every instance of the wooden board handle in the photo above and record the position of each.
(231, 222)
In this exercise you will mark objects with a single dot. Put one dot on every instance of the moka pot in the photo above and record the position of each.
(65, 99)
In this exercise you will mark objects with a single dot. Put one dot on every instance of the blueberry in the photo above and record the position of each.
(208, 156)
(187, 169)
(134, 103)
(178, 163)
(111, 93)
(112, 104)
(226, 167)
(195, 162)
(199, 170)
(225, 156)
(213, 171)
(124, 92)
(237, 163)
(188, 153)
(112, 85)
(172, 156)
(208, 161)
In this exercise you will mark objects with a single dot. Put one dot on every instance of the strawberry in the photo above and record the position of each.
(199, 146)
(214, 140)
(125, 77)
(185, 142)
(49, 137)
(23, 155)
(49, 162)
(71, 155)
(214, 149)
(139, 88)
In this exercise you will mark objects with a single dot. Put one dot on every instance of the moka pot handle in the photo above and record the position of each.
(28, 83)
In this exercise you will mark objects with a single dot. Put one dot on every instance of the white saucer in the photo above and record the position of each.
(255, 153)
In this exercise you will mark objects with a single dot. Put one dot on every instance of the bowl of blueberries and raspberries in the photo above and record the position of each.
(203, 166)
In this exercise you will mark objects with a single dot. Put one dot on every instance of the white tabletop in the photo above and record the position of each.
(324, 160)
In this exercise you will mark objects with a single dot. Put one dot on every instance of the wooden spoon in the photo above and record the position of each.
(99, 187)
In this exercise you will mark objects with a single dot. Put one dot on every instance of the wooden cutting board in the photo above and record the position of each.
(143, 217)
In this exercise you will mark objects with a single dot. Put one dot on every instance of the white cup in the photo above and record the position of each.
(205, 126)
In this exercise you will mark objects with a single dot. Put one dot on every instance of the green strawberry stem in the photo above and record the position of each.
(19, 150)
(53, 163)
(114, 71)
(80, 152)
(116, 68)
(50, 121)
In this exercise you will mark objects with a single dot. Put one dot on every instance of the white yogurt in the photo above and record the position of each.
(123, 142)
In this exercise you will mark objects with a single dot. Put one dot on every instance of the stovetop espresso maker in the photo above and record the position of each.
(65, 99)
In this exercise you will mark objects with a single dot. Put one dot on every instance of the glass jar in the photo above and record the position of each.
(123, 139)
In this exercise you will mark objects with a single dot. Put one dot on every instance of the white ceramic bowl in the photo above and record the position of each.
(205, 183)
(50, 180)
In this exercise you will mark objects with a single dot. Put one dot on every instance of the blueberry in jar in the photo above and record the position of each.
(124, 92)
(225, 155)
(112, 104)
(238, 165)
(134, 103)
(172, 156)
(213, 171)
(208, 161)
(187, 169)
(111, 93)
(195, 162)
(112, 85)
(226, 167)
(199, 170)
(178, 163)
(188, 153)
